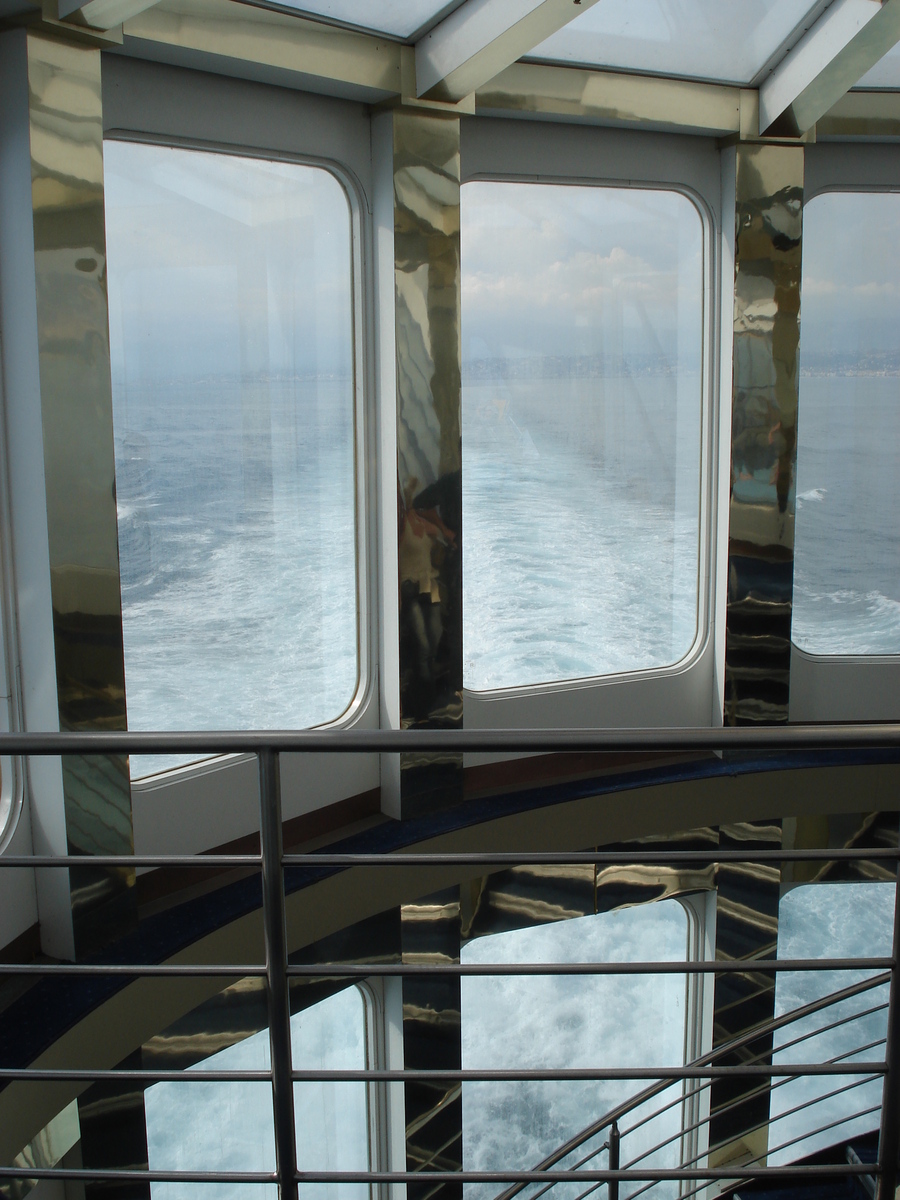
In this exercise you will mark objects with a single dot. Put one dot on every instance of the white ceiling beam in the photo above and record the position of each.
(846, 41)
(102, 14)
(481, 38)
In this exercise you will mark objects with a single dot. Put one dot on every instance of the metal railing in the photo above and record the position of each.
(278, 972)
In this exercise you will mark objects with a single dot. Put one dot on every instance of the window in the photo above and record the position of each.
(829, 920)
(553, 1022)
(847, 552)
(582, 323)
(229, 1126)
(231, 326)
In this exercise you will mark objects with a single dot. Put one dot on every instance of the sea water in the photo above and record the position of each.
(847, 552)
(237, 543)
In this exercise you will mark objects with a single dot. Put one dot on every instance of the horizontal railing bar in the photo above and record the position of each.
(361, 741)
(442, 1074)
(513, 1075)
(637, 856)
(117, 969)
(134, 860)
(86, 1075)
(137, 1176)
(706, 967)
(836, 1170)
(491, 970)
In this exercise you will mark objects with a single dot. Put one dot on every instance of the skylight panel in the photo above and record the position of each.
(397, 18)
(885, 73)
(727, 41)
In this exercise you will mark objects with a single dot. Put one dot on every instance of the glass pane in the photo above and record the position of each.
(401, 18)
(726, 40)
(229, 1126)
(817, 921)
(847, 545)
(331, 1119)
(582, 321)
(231, 330)
(885, 73)
(552, 1022)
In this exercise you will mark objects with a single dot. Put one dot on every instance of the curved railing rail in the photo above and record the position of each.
(611, 1118)
(694, 1173)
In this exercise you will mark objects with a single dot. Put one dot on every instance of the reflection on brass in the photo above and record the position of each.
(611, 98)
(47, 1149)
(862, 115)
(114, 1133)
(840, 831)
(769, 199)
(235, 1013)
(430, 932)
(746, 928)
(79, 465)
(429, 476)
(308, 50)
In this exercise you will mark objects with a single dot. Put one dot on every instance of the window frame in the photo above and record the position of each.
(845, 687)
(12, 774)
(158, 104)
(575, 155)
(354, 206)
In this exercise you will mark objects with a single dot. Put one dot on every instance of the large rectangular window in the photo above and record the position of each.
(847, 556)
(582, 322)
(231, 326)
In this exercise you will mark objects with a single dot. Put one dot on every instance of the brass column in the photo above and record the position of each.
(429, 480)
(768, 213)
(747, 895)
(66, 139)
(432, 1039)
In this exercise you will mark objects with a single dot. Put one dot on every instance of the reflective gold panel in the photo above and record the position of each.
(768, 213)
(79, 466)
(429, 478)
(430, 933)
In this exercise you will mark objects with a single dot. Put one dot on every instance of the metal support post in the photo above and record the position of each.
(889, 1137)
(276, 973)
(614, 1159)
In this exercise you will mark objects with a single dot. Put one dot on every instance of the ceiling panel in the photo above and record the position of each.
(729, 41)
(399, 18)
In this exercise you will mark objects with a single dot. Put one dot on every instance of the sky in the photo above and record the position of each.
(225, 265)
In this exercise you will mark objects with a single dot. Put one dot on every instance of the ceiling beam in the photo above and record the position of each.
(102, 14)
(847, 40)
(481, 38)
(261, 43)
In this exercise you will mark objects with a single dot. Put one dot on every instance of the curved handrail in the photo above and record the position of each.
(654, 1089)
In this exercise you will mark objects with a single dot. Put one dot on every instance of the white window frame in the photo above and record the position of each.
(162, 105)
(689, 692)
(845, 687)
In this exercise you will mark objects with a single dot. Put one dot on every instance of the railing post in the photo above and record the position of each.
(276, 973)
(614, 1159)
(889, 1137)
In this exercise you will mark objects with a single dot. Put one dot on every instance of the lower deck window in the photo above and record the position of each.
(553, 1022)
(229, 1126)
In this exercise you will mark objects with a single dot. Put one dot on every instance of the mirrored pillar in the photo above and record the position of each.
(66, 140)
(746, 928)
(768, 214)
(430, 933)
(429, 478)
